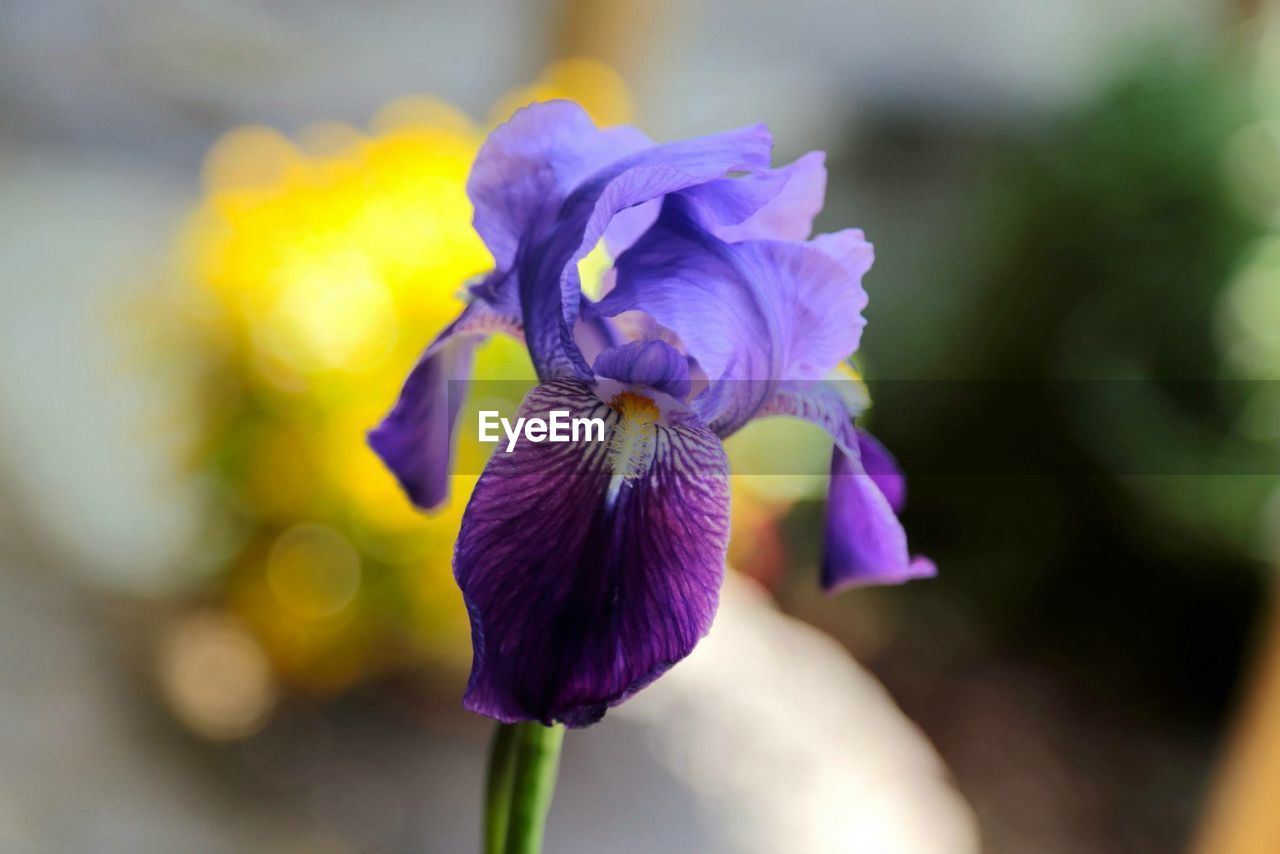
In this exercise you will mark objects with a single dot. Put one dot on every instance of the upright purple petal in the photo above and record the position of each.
(753, 313)
(865, 543)
(528, 165)
(627, 225)
(849, 249)
(550, 291)
(776, 205)
(819, 295)
(582, 588)
(651, 363)
(691, 283)
(415, 440)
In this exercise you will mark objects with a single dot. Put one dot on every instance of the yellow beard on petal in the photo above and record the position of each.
(631, 446)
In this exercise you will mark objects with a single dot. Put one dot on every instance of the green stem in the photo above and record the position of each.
(497, 807)
(522, 780)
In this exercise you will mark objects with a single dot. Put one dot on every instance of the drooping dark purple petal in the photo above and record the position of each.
(865, 543)
(883, 469)
(415, 440)
(528, 165)
(651, 363)
(753, 313)
(583, 587)
(550, 290)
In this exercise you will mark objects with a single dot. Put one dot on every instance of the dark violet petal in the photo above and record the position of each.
(753, 313)
(883, 469)
(576, 601)
(865, 543)
(415, 440)
(651, 363)
(529, 164)
(550, 291)
(497, 290)
(776, 205)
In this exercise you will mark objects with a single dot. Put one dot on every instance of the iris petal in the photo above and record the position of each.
(689, 282)
(583, 589)
(651, 363)
(865, 543)
(550, 292)
(529, 164)
(883, 469)
(776, 205)
(415, 440)
(753, 313)
(546, 187)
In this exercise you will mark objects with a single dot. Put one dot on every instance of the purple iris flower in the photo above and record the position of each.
(590, 568)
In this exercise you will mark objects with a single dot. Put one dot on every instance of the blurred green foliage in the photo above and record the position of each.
(1070, 434)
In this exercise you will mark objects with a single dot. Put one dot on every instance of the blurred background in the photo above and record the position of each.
(228, 228)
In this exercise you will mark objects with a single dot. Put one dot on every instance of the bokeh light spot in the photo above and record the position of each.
(214, 677)
(313, 571)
